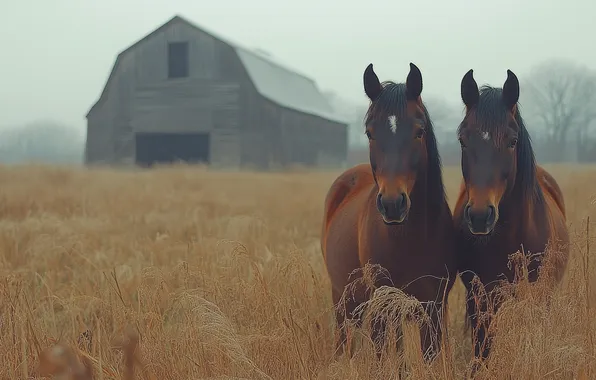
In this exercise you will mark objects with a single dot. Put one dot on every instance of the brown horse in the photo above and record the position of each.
(393, 212)
(506, 202)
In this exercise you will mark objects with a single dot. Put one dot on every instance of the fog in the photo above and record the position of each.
(57, 55)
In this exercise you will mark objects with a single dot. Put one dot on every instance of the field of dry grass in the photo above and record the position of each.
(220, 275)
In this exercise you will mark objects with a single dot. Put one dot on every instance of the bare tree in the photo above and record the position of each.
(561, 96)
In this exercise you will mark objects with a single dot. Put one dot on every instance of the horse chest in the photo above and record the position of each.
(404, 259)
(491, 261)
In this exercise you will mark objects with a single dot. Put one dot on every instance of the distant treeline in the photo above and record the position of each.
(42, 142)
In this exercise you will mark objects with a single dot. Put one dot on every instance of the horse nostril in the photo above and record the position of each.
(380, 205)
(490, 215)
(467, 212)
(401, 202)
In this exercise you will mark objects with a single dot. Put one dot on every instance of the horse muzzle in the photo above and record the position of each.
(394, 210)
(481, 221)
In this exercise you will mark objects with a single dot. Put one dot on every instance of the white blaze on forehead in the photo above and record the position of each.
(485, 136)
(393, 123)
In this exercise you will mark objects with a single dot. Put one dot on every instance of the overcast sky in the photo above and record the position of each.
(57, 54)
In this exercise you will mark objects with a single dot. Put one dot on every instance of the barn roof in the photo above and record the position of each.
(274, 81)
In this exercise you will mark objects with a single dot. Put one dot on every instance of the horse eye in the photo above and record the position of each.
(419, 133)
(368, 135)
(461, 142)
(513, 143)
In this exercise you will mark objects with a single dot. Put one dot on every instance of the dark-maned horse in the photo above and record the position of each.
(393, 212)
(506, 202)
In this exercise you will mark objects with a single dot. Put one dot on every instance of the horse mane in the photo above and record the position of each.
(393, 101)
(491, 116)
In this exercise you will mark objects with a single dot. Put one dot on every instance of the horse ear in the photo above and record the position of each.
(469, 90)
(372, 85)
(414, 83)
(511, 90)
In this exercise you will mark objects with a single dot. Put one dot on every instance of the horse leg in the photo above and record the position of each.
(339, 320)
(483, 341)
(346, 313)
(377, 334)
(341, 312)
(342, 340)
(431, 333)
(378, 326)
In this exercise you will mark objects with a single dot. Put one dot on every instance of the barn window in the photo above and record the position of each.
(178, 60)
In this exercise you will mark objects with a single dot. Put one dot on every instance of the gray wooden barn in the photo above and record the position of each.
(182, 93)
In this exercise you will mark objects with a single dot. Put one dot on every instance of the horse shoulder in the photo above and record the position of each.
(345, 203)
(344, 189)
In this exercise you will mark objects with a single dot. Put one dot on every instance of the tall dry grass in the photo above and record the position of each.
(190, 274)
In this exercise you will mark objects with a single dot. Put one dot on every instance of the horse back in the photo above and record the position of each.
(559, 235)
(551, 188)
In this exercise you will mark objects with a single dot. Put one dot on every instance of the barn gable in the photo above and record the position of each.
(272, 80)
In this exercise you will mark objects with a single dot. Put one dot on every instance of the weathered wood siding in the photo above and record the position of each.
(279, 137)
(110, 120)
(333, 145)
(98, 145)
(311, 141)
(192, 106)
(259, 129)
(300, 134)
(123, 139)
(177, 107)
(253, 123)
(141, 97)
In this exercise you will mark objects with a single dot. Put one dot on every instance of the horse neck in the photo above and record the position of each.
(421, 212)
(419, 195)
(517, 208)
(430, 192)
